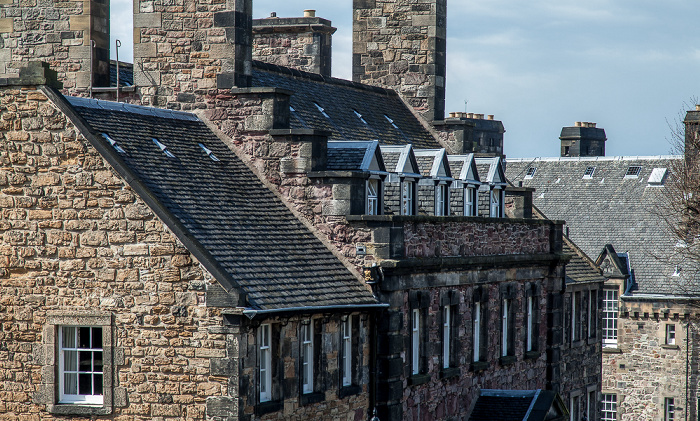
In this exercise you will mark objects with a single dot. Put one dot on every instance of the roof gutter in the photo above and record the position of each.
(254, 313)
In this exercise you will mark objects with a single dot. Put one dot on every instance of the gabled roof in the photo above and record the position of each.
(611, 264)
(349, 110)
(608, 208)
(519, 405)
(463, 168)
(491, 171)
(433, 163)
(221, 211)
(400, 160)
(357, 156)
(580, 269)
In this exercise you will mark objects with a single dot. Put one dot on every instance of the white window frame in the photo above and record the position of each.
(575, 408)
(347, 351)
(415, 341)
(476, 340)
(373, 192)
(590, 404)
(441, 199)
(610, 309)
(446, 335)
(608, 408)
(495, 202)
(265, 369)
(530, 323)
(505, 325)
(307, 356)
(669, 409)
(407, 197)
(63, 371)
(670, 334)
(469, 205)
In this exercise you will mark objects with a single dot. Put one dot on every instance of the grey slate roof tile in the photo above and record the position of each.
(275, 259)
(340, 99)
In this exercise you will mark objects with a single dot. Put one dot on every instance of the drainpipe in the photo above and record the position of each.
(687, 364)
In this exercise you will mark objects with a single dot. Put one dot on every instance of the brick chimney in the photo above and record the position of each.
(402, 45)
(582, 139)
(60, 34)
(180, 55)
(302, 43)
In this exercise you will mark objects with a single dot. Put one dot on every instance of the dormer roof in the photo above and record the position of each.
(433, 163)
(464, 169)
(491, 171)
(355, 156)
(400, 160)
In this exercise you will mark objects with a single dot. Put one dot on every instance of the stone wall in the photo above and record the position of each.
(76, 239)
(300, 43)
(60, 34)
(402, 45)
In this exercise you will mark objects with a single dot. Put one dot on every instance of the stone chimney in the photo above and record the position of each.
(303, 43)
(60, 34)
(180, 55)
(402, 45)
(463, 133)
(692, 136)
(582, 139)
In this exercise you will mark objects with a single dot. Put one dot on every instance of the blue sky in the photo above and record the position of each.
(540, 65)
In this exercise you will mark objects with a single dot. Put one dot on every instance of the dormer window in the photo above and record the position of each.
(496, 203)
(470, 201)
(408, 190)
(441, 200)
(530, 172)
(373, 196)
(633, 172)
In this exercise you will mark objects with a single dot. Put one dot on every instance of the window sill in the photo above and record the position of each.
(479, 366)
(665, 346)
(418, 379)
(507, 360)
(450, 372)
(351, 390)
(310, 398)
(576, 343)
(592, 340)
(76, 409)
(268, 407)
(611, 350)
(532, 355)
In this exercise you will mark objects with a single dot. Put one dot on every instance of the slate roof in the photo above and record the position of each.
(354, 111)
(354, 156)
(126, 73)
(460, 166)
(488, 169)
(580, 268)
(608, 208)
(243, 226)
(518, 405)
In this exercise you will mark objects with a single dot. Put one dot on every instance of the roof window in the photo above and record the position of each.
(589, 172)
(530, 172)
(633, 171)
(209, 153)
(359, 116)
(163, 148)
(657, 176)
(113, 143)
(321, 110)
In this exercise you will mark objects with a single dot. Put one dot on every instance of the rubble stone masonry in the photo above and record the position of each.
(79, 246)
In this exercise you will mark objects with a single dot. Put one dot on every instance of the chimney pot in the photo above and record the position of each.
(490, 116)
(577, 124)
(309, 13)
(593, 125)
(481, 116)
(697, 107)
(453, 115)
(470, 115)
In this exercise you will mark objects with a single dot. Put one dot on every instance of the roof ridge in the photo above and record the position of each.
(75, 101)
(596, 158)
(261, 65)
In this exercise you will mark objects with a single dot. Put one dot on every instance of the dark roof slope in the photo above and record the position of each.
(353, 111)
(518, 405)
(607, 208)
(580, 268)
(126, 73)
(247, 230)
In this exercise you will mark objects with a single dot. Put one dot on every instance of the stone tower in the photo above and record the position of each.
(401, 44)
(300, 43)
(583, 139)
(61, 34)
(182, 49)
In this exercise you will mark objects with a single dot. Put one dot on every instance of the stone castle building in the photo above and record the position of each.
(264, 242)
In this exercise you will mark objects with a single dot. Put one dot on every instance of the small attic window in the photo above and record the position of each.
(589, 172)
(530, 172)
(657, 176)
(321, 110)
(359, 116)
(633, 171)
(113, 143)
(163, 148)
(292, 109)
(209, 153)
(391, 121)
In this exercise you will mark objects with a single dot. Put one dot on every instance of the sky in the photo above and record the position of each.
(630, 66)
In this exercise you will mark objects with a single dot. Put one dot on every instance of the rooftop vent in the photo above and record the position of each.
(657, 176)
(309, 13)
(113, 143)
(633, 171)
(530, 172)
(391, 121)
(589, 172)
(209, 153)
(321, 110)
(163, 148)
(359, 116)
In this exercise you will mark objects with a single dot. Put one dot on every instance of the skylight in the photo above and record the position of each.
(359, 116)
(530, 172)
(163, 148)
(209, 153)
(657, 176)
(633, 172)
(320, 108)
(589, 172)
(113, 143)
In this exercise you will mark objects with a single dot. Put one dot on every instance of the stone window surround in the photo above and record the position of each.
(356, 355)
(531, 295)
(591, 404)
(481, 296)
(574, 403)
(507, 313)
(420, 301)
(46, 354)
(451, 298)
(669, 409)
(315, 393)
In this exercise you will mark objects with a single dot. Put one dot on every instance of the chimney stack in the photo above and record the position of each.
(583, 139)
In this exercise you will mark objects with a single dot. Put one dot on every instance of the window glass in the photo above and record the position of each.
(347, 351)
(407, 197)
(373, 196)
(80, 365)
(307, 355)
(610, 308)
(415, 342)
(609, 407)
(446, 335)
(265, 362)
(670, 334)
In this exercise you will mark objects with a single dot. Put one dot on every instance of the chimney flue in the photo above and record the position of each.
(309, 13)
(490, 116)
(697, 107)
(273, 14)
(577, 124)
